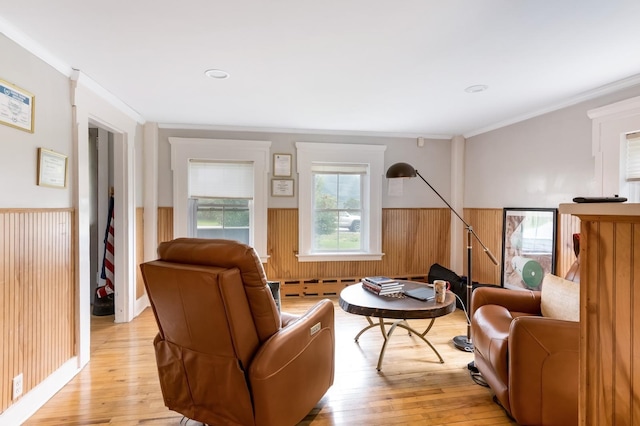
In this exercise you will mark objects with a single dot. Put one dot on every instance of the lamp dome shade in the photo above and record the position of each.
(401, 170)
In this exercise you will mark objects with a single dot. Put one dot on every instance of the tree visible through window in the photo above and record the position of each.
(340, 201)
(337, 212)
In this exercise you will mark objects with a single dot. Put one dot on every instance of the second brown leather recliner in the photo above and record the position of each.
(526, 346)
(225, 355)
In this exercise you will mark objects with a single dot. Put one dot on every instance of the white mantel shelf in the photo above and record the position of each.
(601, 209)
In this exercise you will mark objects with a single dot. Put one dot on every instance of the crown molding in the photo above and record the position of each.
(182, 126)
(33, 47)
(582, 97)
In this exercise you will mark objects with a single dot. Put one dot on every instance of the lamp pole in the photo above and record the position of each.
(400, 170)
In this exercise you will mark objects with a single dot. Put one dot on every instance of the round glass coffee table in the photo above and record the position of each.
(356, 300)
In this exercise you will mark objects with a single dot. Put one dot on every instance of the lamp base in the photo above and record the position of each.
(463, 343)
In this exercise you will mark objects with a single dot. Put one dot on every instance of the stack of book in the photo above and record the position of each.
(382, 286)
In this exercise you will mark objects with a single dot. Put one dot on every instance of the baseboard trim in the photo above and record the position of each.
(32, 401)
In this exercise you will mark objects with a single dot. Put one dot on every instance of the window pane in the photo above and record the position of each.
(349, 191)
(337, 212)
(223, 218)
(325, 191)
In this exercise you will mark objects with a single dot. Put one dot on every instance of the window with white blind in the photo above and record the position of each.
(220, 190)
(340, 201)
(630, 182)
(221, 199)
(633, 157)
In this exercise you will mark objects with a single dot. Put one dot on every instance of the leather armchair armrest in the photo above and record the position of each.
(514, 300)
(290, 341)
(295, 367)
(544, 371)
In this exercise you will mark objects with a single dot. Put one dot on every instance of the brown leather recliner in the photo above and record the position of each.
(529, 361)
(225, 355)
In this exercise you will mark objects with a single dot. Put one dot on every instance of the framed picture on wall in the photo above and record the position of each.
(16, 107)
(282, 187)
(52, 169)
(282, 165)
(528, 247)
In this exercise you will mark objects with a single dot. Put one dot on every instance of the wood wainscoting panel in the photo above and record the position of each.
(38, 294)
(165, 224)
(487, 224)
(610, 320)
(412, 240)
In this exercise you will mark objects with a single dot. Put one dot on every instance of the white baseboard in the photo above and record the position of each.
(31, 402)
(141, 304)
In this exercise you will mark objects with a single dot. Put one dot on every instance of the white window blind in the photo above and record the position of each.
(328, 168)
(220, 179)
(633, 156)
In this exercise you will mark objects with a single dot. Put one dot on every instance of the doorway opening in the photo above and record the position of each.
(101, 204)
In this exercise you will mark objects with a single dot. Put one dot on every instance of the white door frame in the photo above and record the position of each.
(92, 105)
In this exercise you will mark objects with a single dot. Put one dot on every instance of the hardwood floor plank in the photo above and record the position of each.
(120, 384)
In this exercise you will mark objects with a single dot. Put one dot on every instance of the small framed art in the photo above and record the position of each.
(282, 187)
(282, 164)
(52, 169)
(528, 247)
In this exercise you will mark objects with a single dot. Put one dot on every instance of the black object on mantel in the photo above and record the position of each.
(614, 199)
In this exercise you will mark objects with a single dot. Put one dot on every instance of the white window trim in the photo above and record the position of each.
(310, 152)
(185, 149)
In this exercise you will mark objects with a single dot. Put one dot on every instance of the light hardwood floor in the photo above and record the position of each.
(119, 386)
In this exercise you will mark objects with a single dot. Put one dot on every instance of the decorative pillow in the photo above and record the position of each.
(560, 298)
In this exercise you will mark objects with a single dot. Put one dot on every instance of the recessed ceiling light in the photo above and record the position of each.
(476, 88)
(213, 73)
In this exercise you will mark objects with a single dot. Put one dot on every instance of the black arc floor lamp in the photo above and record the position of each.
(404, 170)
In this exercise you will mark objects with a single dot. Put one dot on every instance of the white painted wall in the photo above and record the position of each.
(18, 162)
(433, 161)
(64, 129)
(18, 175)
(540, 162)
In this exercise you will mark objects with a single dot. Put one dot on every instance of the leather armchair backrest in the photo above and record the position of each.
(189, 303)
(230, 254)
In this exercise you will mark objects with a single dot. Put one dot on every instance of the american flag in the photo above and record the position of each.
(107, 260)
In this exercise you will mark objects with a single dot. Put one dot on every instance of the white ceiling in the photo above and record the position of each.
(389, 66)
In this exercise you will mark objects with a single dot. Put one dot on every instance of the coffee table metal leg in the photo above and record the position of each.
(387, 335)
(371, 325)
(422, 336)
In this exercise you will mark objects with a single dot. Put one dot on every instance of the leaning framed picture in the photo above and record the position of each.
(528, 246)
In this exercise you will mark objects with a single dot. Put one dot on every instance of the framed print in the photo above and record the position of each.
(528, 247)
(52, 169)
(282, 164)
(282, 187)
(16, 107)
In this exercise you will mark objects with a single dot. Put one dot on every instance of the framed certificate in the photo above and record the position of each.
(16, 107)
(52, 169)
(282, 164)
(282, 187)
